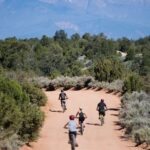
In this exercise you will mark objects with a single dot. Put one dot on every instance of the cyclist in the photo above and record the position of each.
(101, 107)
(81, 115)
(62, 97)
(72, 126)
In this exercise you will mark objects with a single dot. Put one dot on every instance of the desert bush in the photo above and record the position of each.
(10, 116)
(41, 82)
(83, 82)
(142, 135)
(35, 94)
(135, 116)
(11, 143)
(115, 85)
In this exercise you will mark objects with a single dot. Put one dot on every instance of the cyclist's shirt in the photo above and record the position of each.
(72, 126)
(81, 114)
(101, 106)
(62, 96)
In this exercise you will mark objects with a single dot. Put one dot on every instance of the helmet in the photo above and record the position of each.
(80, 108)
(71, 117)
(62, 90)
(102, 100)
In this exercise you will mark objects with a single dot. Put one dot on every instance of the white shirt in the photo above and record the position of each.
(72, 126)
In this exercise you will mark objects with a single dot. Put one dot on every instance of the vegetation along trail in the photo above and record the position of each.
(108, 137)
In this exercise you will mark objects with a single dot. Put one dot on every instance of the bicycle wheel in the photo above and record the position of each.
(101, 117)
(73, 142)
(63, 106)
(81, 128)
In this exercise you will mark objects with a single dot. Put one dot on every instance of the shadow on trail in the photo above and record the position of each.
(57, 111)
(117, 123)
(113, 109)
(94, 124)
(66, 132)
(124, 138)
(116, 115)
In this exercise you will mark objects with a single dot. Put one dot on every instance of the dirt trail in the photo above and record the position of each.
(96, 137)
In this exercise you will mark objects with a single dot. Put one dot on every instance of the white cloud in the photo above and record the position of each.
(99, 3)
(67, 25)
(49, 1)
(55, 1)
(140, 33)
(69, 1)
(124, 2)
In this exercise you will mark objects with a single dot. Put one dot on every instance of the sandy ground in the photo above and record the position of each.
(108, 137)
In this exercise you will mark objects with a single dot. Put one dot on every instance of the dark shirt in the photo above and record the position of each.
(101, 106)
(62, 96)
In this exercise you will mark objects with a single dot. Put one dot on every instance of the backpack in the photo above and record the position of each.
(101, 107)
(62, 96)
(81, 115)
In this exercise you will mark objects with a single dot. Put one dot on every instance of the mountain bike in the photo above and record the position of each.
(81, 128)
(81, 125)
(101, 118)
(73, 142)
(64, 106)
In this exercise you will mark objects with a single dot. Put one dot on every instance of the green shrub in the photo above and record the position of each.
(10, 116)
(33, 119)
(35, 94)
(132, 83)
(13, 89)
(107, 70)
(19, 111)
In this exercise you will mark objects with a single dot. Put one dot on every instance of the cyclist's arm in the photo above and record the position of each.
(97, 108)
(106, 107)
(66, 96)
(85, 115)
(77, 114)
(59, 97)
(65, 126)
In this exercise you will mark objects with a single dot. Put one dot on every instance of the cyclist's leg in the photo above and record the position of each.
(61, 101)
(82, 121)
(64, 103)
(69, 135)
(75, 134)
(103, 116)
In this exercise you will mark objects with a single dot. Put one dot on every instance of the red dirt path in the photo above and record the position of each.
(108, 137)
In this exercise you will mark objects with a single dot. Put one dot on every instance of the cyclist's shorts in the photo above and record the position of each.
(102, 113)
(63, 101)
(73, 132)
(81, 119)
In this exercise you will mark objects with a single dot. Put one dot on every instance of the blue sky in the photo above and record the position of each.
(34, 18)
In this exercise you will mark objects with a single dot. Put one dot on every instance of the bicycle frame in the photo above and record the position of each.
(81, 128)
(63, 106)
(73, 142)
(101, 117)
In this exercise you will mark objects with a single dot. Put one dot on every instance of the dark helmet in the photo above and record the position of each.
(80, 109)
(71, 117)
(102, 100)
